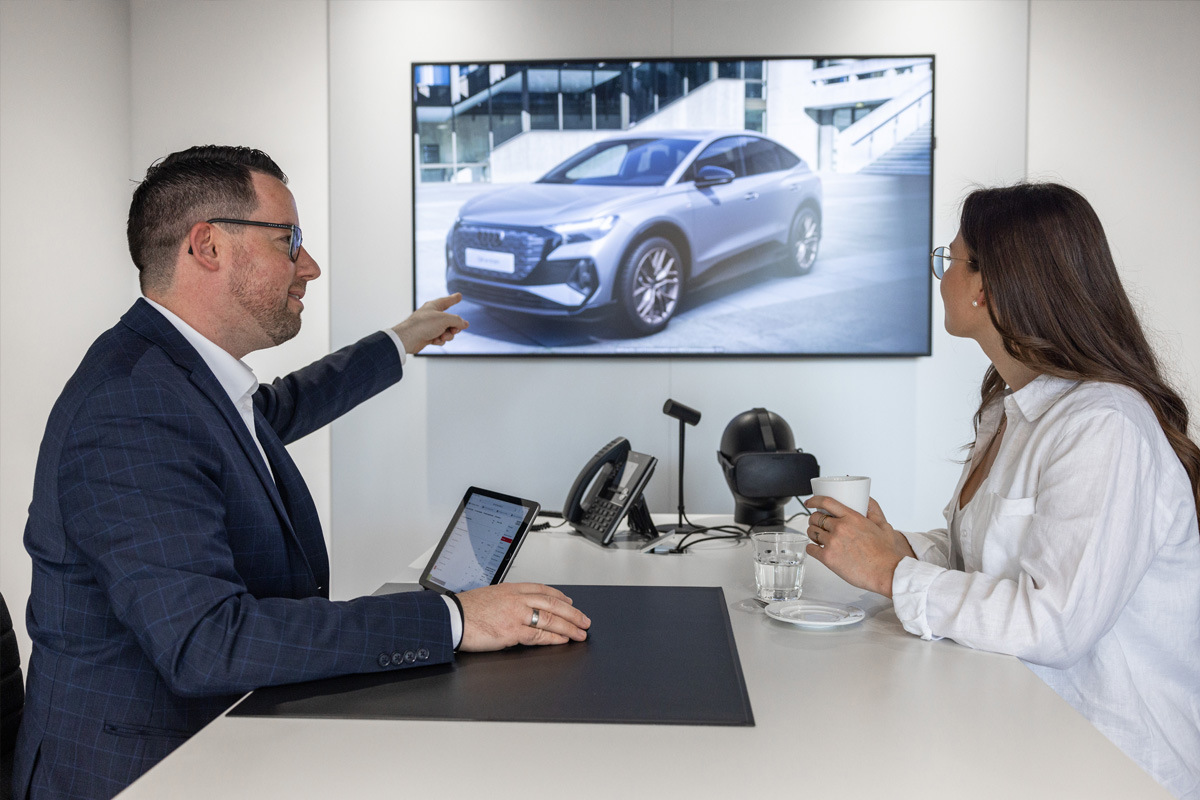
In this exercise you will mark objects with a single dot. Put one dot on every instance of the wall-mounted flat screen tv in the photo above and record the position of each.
(683, 207)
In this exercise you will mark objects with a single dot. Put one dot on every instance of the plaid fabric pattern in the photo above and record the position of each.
(171, 573)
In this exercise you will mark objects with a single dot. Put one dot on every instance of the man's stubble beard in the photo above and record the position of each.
(277, 321)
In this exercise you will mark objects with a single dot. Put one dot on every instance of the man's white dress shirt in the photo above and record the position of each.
(240, 383)
(234, 375)
(1081, 556)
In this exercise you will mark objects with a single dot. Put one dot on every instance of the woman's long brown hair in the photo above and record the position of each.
(1056, 299)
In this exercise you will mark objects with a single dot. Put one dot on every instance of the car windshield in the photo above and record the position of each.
(623, 162)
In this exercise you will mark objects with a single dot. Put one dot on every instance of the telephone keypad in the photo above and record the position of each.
(601, 514)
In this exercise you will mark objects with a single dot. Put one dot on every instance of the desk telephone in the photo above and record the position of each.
(608, 489)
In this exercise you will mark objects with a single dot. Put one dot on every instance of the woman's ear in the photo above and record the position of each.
(978, 295)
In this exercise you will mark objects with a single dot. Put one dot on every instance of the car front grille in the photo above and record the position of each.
(501, 296)
(527, 245)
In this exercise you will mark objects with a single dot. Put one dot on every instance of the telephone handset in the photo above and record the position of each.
(607, 489)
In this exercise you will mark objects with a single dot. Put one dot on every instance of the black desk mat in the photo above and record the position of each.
(654, 654)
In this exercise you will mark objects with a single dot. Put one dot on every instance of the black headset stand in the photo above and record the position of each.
(680, 526)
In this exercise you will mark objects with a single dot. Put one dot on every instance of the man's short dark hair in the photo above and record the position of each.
(185, 188)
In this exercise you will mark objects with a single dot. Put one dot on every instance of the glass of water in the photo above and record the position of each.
(779, 564)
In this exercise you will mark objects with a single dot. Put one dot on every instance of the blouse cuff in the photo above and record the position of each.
(910, 595)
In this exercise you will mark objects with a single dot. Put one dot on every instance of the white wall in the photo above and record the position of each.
(65, 273)
(1114, 110)
(92, 90)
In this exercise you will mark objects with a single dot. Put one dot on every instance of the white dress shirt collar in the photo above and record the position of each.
(235, 377)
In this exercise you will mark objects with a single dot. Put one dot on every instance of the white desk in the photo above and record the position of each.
(859, 712)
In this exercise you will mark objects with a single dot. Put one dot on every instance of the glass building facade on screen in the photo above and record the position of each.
(512, 122)
(464, 112)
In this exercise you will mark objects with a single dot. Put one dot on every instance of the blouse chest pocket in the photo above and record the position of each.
(1002, 534)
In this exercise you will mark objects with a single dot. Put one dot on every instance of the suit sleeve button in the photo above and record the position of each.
(397, 659)
(384, 659)
(409, 656)
(423, 654)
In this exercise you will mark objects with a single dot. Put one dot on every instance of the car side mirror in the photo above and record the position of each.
(713, 176)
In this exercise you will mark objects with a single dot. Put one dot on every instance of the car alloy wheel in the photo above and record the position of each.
(650, 284)
(804, 241)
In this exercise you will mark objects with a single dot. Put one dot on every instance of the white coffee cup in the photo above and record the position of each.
(852, 491)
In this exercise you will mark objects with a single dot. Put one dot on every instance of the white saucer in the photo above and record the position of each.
(814, 613)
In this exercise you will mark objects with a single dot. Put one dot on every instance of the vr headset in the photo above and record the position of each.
(787, 474)
(772, 473)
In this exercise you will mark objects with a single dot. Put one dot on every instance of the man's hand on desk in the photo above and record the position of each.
(495, 617)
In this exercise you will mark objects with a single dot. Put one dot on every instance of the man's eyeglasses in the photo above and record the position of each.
(294, 244)
(939, 260)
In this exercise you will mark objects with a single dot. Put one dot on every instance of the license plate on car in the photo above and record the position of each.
(491, 259)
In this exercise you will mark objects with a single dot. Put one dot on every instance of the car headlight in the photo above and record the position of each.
(585, 230)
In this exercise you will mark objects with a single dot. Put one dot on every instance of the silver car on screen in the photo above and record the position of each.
(628, 224)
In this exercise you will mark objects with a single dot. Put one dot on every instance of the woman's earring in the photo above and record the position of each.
(975, 303)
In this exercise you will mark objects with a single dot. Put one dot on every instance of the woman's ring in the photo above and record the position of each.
(537, 614)
(824, 519)
(816, 537)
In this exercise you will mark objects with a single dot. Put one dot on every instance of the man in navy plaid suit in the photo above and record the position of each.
(178, 561)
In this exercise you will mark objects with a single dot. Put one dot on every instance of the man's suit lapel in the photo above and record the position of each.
(144, 319)
(290, 483)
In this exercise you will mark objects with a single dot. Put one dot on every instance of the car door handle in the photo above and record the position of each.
(750, 196)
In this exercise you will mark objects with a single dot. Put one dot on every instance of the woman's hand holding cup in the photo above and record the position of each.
(862, 549)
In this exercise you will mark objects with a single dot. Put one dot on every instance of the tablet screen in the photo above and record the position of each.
(481, 541)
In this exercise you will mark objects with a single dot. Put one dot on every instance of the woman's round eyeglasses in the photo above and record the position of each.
(939, 261)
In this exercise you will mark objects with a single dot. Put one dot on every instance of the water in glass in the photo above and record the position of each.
(779, 576)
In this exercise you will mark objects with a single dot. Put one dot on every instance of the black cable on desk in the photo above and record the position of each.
(732, 531)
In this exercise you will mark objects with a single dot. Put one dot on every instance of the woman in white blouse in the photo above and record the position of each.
(1071, 539)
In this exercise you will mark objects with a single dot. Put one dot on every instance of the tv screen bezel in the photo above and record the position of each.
(438, 353)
